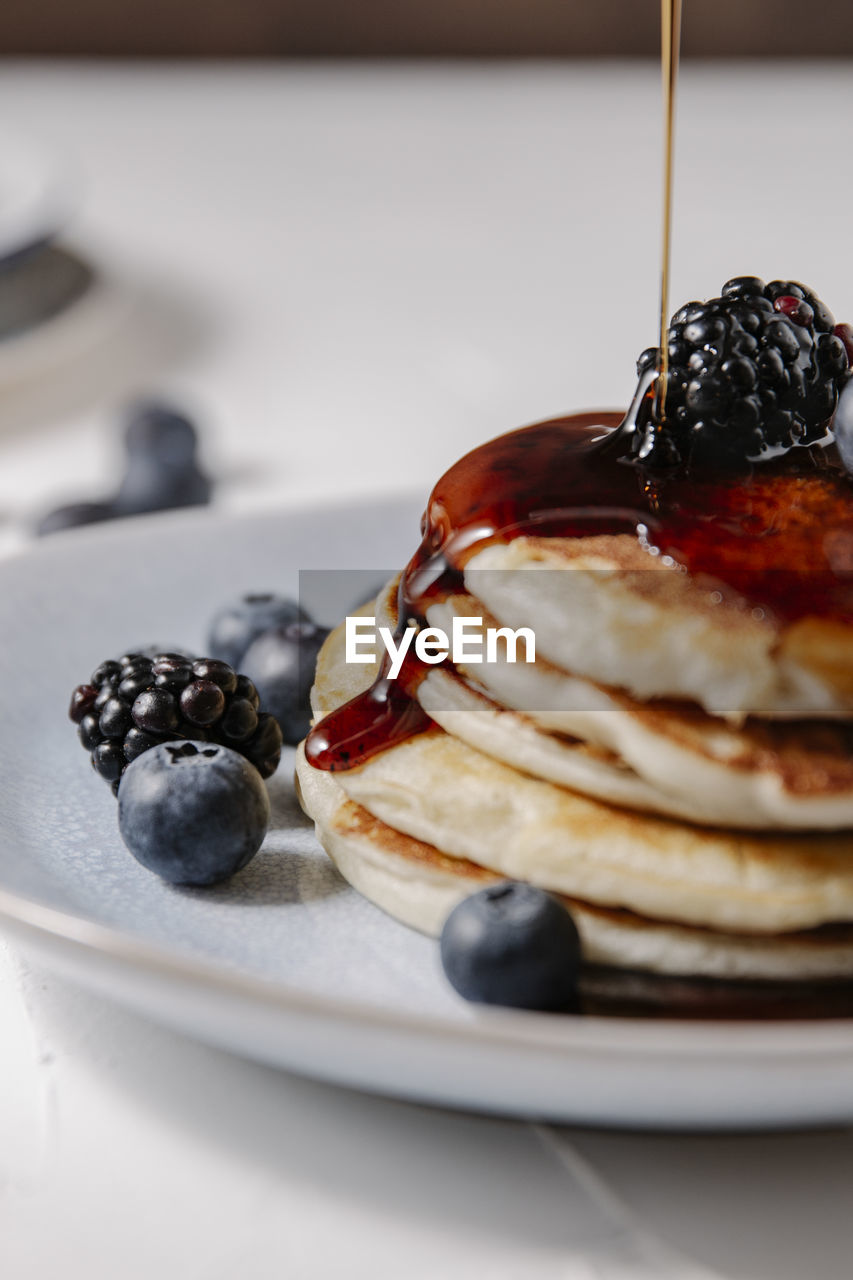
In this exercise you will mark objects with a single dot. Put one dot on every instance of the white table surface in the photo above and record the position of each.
(353, 274)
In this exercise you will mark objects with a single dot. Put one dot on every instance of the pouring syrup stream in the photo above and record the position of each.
(670, 46)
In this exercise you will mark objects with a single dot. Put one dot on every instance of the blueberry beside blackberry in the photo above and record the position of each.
(281, 662)
(751, 374)
(238, 624)
(134, 704)
(192, 813)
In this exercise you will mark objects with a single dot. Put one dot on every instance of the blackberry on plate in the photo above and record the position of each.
(751, 374)
(144, 699)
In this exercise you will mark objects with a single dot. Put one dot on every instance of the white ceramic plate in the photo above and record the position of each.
(286, 964)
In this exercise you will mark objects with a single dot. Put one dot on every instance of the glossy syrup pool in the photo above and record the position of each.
(779, 538)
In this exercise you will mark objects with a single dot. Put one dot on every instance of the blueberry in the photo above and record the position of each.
(512, 944)
(235, 627)
(154, 429)
(148, 485)
(192, 813)
(161, 466)
(281, 665)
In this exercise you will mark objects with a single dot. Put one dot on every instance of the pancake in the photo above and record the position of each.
(419, 885)
(608, 610)
(442, 792)
(665, 757)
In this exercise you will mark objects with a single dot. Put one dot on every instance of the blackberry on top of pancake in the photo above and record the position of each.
(750, 373)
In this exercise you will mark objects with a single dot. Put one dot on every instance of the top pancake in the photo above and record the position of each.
(607, 609)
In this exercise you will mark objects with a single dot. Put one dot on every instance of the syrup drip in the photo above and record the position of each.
(573, 477)
(670, 48)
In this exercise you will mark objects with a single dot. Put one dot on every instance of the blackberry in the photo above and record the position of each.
(751, 374)
(144, 699)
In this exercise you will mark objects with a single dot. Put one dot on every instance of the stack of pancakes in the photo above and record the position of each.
(677, 766)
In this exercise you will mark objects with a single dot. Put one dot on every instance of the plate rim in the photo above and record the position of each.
(493, 1027)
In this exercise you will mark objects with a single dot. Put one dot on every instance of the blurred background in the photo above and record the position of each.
(444, 28)
(345, 242)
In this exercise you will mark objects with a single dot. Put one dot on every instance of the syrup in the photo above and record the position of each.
(574, 477)
(670, 47)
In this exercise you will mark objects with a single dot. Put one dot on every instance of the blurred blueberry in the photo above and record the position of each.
(280, 663)
(236, 625)
(162, 469)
